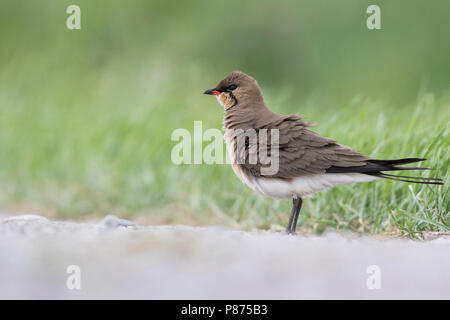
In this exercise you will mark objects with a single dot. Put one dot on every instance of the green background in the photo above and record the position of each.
(86, 115)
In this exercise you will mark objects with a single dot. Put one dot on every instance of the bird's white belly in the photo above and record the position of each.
(302, 186)
(306, 185)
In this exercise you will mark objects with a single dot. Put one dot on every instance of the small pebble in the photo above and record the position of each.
(111, 221)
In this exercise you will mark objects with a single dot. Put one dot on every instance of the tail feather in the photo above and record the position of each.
(376, 168)
(418, 178)
(406, 179)
(395, 168)
(398, 161)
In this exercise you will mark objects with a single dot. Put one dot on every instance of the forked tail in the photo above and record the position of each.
(376, 168)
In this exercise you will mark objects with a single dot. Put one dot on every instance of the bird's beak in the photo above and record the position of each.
(212, 91)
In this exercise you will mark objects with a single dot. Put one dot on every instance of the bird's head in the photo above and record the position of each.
(237, 90)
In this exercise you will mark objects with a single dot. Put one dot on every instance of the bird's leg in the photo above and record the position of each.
(291, 218)
(299, 207)
(296, 205)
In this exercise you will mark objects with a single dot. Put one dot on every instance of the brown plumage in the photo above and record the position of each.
(307, 162)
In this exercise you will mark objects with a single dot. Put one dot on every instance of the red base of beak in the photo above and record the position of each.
(212, 91)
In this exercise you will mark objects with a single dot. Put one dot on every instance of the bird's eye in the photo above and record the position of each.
(232, 87)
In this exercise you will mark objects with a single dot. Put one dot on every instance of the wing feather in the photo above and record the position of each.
(301, 151)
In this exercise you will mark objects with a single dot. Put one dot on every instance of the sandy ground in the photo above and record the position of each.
(117, 259)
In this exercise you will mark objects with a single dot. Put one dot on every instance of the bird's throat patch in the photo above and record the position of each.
(227, 100)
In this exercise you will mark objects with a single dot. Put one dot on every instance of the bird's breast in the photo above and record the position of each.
(244, 175)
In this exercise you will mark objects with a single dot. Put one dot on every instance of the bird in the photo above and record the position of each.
(307, 162)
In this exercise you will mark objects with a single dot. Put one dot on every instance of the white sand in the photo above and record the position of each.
(178, 262)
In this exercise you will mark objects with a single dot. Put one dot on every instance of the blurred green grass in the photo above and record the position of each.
(86, 116)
